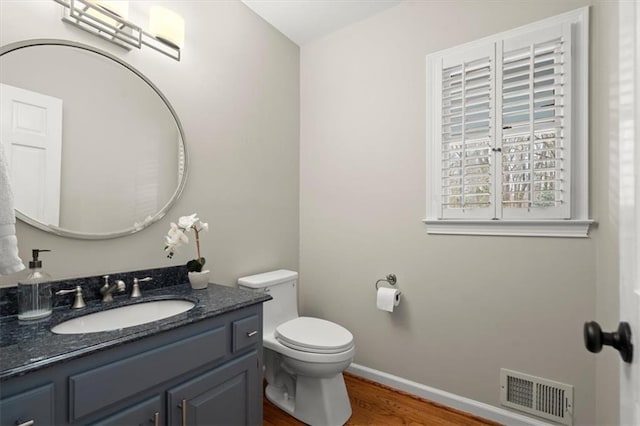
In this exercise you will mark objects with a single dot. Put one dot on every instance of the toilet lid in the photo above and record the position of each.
(314, 335)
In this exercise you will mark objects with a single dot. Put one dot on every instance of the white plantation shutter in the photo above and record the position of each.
(467, 130)
(507, 132)
(535, 132)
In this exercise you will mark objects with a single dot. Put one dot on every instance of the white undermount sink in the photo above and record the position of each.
(124, 316)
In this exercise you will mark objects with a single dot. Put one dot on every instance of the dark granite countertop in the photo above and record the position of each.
(29, 346)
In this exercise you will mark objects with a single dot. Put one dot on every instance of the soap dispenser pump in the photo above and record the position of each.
(34, 292)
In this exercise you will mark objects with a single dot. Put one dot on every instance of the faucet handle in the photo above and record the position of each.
(135, 292)
(120, 285)
(78, 302)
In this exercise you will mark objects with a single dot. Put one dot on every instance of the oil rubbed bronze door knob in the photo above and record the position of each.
(595, 339)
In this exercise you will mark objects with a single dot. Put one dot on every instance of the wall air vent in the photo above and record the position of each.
(534, 395)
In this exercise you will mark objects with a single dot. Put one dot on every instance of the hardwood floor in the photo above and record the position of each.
(375, 404)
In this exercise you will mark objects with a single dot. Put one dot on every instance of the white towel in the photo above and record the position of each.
(10, 262)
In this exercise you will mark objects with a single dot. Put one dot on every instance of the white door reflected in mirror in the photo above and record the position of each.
(32, 138)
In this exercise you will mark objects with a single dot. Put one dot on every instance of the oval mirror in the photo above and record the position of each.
(94, 149)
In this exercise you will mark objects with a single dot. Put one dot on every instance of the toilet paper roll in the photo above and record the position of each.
(388, 298)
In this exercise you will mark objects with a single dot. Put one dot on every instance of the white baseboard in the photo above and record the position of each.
(461, 403)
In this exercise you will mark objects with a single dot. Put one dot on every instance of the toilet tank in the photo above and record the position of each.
(282, 286)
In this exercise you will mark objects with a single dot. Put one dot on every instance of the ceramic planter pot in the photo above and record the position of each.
(199, 280)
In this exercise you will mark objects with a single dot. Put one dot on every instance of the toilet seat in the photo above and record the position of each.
(314, 335)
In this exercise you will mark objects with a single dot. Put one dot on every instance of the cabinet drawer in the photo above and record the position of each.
(146, 413)
(122, 379)
(34, 405)
(246, 332)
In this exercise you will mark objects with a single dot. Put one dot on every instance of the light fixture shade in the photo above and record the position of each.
(166, 26)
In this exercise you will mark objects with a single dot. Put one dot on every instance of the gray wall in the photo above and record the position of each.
(236, 91)
(472, 305)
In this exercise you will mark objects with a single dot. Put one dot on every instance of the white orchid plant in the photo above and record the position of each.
(177, 236)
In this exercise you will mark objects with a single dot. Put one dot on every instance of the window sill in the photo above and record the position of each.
(521, 228)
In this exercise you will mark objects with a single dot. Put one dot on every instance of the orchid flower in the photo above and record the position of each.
(177, 237)
(186, 222)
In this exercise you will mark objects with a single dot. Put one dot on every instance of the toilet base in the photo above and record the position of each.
(280, 399)
(318, 401)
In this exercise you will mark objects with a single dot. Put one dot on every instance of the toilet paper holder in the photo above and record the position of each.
(390, 279)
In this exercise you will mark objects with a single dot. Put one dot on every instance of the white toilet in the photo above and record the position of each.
(304, 357)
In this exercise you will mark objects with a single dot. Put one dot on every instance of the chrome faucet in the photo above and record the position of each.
(107, 289)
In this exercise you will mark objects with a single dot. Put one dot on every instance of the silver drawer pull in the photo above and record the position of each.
(156, 419)
(184, 412)
(252, 333)
(27, 423)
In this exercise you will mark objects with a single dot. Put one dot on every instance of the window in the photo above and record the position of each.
(507, 132)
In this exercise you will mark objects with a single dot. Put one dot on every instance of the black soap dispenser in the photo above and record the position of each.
(34, 292)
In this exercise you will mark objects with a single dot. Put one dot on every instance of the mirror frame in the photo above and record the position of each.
(106, 235)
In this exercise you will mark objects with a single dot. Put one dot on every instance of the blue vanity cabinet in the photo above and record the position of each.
(30, 407)
(205, 373)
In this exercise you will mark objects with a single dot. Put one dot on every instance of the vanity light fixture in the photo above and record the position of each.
(109, 19)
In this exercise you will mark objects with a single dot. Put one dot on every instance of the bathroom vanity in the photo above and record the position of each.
(200, 367)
